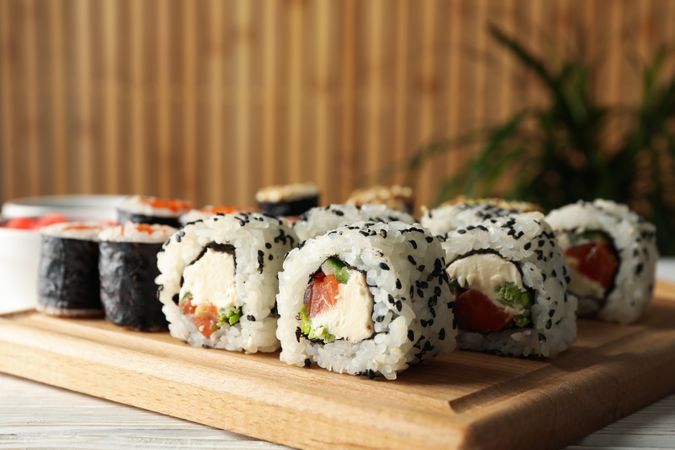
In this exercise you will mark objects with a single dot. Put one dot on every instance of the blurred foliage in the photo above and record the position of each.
(572, 148)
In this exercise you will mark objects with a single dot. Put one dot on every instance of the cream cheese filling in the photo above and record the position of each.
(211, 280)
(486, 272)
(351, 316)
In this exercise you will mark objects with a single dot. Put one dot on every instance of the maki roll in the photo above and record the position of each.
(152, 210)
(509, 278)
(398, 198)
(463, 211)
(68, 279)
(321, 219)
(218, 281)
(368, 298)
(612, 254)
(128, 268)
(208, 211)
(287, 200)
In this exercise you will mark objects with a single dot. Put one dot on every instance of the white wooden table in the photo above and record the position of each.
(38, 416)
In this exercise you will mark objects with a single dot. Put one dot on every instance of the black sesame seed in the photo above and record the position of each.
(411, 335)
(398, 284)
(268, 245)
(384, 266)
(441, 334)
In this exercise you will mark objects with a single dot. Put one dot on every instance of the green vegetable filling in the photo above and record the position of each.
(516, 298)
(590, 236)
(229, 315)
(186, 295)
(339, 269)
(311, 332)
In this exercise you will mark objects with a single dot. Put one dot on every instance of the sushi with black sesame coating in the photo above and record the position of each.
(510, 281)
(611, 252)
(367, 298)
(68, 278)
(128, 268)
(287, 200)
(322, 219)
(463, 211)
(218, 281)
(152, 210)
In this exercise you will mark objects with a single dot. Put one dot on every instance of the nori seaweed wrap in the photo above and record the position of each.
(287, 200)
(152, 210)
(68, 279)
(128, 268)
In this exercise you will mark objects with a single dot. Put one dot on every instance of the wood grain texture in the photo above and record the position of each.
(210, 100)
(462, 400)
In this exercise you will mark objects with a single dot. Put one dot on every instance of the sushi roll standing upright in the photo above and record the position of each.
(510, 280)
(128, 268)
(288, 200)
(68, 278)
(612, 254)
(463, 211)
(367, 298)
(321, 219)
(218, 281)
(152, 210)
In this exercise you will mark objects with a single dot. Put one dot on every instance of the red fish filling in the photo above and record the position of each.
(205, 316)
(594, 260)
(474, 311)
(321, 293)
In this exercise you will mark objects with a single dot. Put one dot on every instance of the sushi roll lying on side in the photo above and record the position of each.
(398, 198)
(611, 253)
(68, 278)
(368, 298)
(128, 268)
(152, 210)
(509, 277)
(287, 200)
(463, 211)
(322, 219)
(218, 281)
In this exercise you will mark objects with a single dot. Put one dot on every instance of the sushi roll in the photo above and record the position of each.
(128, 268)
(612, 254)
(321, 219)
(68, 279)
(398, 198)
(368, 298)
(210, 210)
(218, 281)
(152, 210)
(287, 200)
(463, 211)
(510, 280)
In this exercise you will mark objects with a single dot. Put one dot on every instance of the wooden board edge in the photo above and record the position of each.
(64, 369)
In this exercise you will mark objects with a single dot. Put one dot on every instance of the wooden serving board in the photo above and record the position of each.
(462, 400)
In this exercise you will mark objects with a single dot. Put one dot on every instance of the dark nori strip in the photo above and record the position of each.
(128, 289)
(293, 207)
(126, 216)
(68, 276)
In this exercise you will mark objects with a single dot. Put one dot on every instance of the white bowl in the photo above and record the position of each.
(75, 207)
(19, 260)
(20, 249)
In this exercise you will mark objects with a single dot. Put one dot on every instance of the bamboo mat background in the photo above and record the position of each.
(209, 100)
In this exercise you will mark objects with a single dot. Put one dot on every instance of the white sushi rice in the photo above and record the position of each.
(404, 270)
(140, 205)
(132, 232)
(286, 192)
(260, 243)
(321, 219)
(634, 240)
(450, 216)
(528, 241)
(87, 231)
